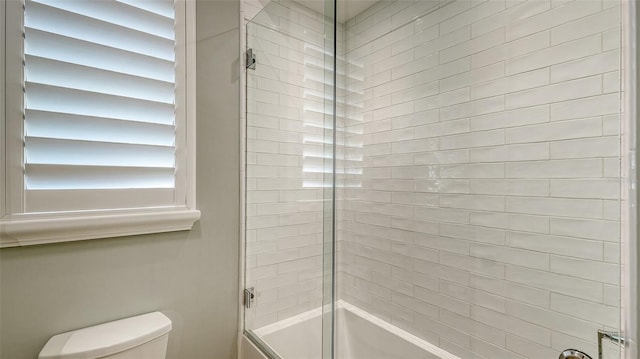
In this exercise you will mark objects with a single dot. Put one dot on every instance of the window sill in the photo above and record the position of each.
(28, 230)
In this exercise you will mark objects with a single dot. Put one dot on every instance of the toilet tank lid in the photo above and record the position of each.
(108, 338)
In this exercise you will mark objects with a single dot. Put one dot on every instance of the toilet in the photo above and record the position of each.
(140, 337)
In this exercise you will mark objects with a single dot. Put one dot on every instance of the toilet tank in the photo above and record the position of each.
(140, 337)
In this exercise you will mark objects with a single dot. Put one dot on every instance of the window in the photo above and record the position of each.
(99, 123)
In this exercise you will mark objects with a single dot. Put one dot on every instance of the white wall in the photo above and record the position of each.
(487, 218)
(190, 276)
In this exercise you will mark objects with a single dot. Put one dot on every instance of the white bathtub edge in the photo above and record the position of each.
(285, 323)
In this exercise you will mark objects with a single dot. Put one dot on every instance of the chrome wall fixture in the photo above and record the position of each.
(573, 354)
(615, 337)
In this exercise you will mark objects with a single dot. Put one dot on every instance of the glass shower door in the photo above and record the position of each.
(289, 180)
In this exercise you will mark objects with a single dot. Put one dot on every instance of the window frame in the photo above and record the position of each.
(18, 228)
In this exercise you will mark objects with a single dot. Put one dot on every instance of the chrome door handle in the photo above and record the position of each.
(573, 354)
(611, 336)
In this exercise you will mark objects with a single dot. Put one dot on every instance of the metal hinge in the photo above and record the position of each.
(248, 297)
(250, 59)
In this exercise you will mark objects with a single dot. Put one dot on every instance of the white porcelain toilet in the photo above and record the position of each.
(141, 337)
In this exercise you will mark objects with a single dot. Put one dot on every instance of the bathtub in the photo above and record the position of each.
(360, 335)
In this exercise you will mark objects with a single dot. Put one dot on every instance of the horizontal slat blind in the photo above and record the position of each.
(99, 104)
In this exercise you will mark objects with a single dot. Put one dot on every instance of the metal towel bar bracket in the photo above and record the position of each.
(615, 337)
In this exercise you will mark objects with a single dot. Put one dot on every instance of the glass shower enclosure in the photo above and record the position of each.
(290, 175)
(436, 179)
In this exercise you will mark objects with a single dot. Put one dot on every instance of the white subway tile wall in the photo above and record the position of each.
(485, 217)
(478, 169)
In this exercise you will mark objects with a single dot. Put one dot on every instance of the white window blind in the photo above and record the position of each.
(100, 108)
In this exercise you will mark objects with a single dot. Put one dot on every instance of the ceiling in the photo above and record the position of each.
(346, 8)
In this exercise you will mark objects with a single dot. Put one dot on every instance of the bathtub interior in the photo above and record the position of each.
(360, 338)
(360, 335)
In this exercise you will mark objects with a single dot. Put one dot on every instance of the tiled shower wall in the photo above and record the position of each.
(285, 160)
(485, 219)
